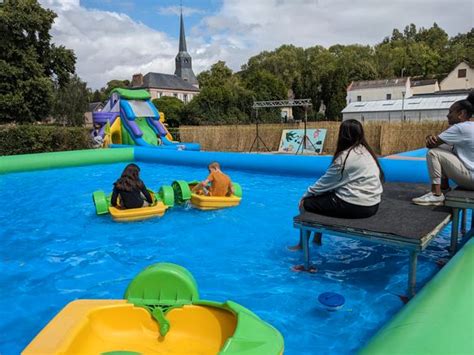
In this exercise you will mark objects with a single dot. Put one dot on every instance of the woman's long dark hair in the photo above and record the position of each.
(351, 134)
(467, 104)
(130, 179)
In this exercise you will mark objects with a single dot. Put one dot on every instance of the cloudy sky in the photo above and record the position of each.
(114, 39)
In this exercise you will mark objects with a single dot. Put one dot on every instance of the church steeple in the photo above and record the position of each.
(182, 36)
(184, 67)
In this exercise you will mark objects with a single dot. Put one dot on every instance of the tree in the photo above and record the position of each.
(70, 102)
(218, 75)
(460, 47)
(96, 96)
(324, 74)
(172, 107)
(29, 62)
(114, 84)
(222, 99)
(285, 63)
(265, 86)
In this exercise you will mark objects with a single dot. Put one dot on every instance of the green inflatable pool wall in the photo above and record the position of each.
(438, 320)
(28, 162)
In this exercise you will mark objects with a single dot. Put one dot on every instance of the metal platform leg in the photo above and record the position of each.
(472, 219)
(412, 273)
(463, 222)
(306, 234)
(454, 231)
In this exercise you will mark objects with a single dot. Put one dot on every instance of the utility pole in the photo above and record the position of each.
(403, 105)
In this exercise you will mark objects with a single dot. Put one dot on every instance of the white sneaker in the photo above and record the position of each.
(429, 199)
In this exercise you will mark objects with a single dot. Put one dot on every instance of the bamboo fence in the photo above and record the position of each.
(385, 137)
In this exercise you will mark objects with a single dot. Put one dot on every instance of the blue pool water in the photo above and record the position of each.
(54, 249)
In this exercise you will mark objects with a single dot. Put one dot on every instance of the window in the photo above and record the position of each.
(359, 98)
(175, 94)
(389, 96)
(462, 73)
(160, 94)
(185, 98)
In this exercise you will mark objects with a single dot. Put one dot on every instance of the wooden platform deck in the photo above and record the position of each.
(398, 223)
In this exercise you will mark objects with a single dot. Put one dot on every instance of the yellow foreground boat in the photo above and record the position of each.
(162, 314)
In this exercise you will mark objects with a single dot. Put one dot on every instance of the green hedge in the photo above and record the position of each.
(24, 139)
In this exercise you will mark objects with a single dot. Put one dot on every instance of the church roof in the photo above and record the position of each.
(166, 81)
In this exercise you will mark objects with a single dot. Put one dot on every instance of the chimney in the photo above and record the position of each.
(137, 80)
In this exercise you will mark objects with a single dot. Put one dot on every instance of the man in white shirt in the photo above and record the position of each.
(457, 163)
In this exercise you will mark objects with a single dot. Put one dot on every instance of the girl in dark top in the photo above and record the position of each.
(132, 190)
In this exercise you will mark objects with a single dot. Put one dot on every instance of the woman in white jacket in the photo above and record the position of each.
(352, 185)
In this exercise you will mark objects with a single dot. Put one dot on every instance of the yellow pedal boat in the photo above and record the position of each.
(183, 192)
(162, 314)
(161, 202)
(158, 209)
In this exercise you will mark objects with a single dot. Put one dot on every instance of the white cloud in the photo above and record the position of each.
(254, 26)
(110, 45)
(176, 10)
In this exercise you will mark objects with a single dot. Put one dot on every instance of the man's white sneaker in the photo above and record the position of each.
(429, 199)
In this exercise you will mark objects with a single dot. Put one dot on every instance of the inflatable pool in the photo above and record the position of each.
(438, 319)
(161, 313)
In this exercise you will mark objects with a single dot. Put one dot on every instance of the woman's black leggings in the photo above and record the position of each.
(329, 204)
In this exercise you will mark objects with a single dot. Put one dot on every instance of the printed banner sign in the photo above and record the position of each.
(292, 141)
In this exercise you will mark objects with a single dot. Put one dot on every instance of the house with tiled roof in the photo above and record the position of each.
(460, 78)
(374, 90)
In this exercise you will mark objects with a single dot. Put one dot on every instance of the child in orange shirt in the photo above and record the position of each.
(221, 184)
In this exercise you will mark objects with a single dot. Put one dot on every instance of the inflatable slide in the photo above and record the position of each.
(130, 118)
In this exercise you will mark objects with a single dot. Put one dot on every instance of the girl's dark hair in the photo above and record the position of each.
(130, 179)
(467, 104)
(351, 134)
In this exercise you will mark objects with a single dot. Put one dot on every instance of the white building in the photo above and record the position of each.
(374, 90)
(412, 100)
(415, 108)
(428, 86)
(461, 78)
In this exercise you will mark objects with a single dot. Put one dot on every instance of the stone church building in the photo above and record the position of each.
(183, 84)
